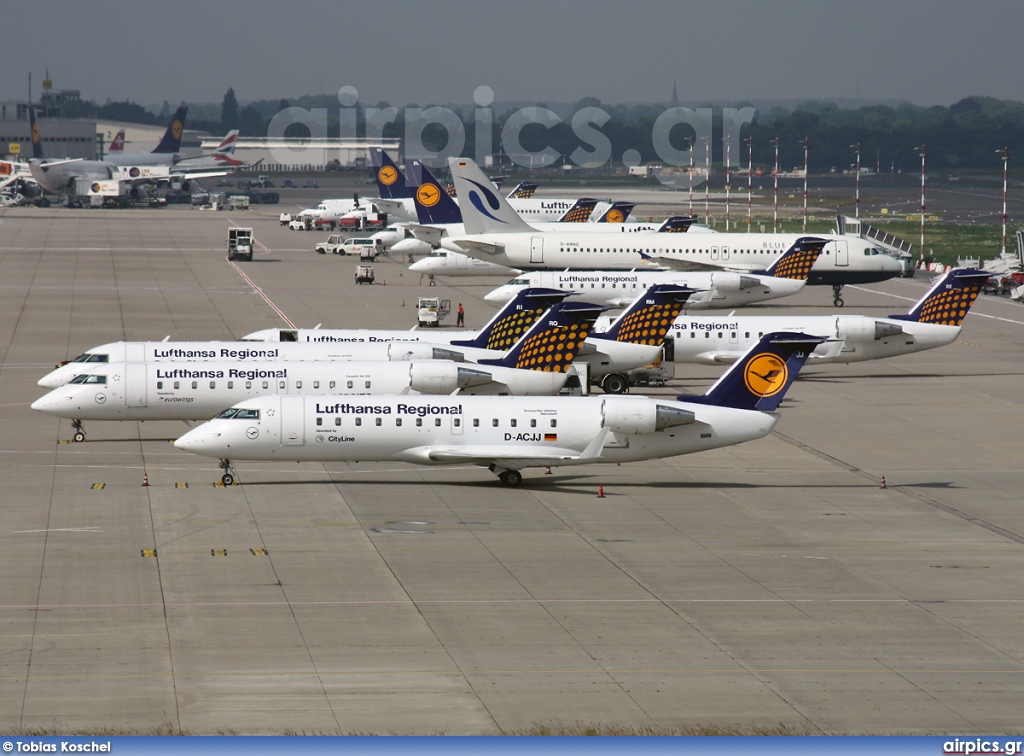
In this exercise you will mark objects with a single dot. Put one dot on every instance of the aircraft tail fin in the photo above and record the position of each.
(391, 184)
(117, 143)
(760, 378)
(483, 210)
(580, 211)
(553, 342)
(227, 144)
(433, 204)
(617, 212)
(950, 298)
(522, 190)
(515, 319)
(37, 142)
(648, 319)
(796, 261)
(171, 142)
(677, 224)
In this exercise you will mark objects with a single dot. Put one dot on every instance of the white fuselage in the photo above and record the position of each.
(514, 432)
(443, 262)
(709, 339)
(55, 176)
(845, 260)
(198, 391)
(720, 289)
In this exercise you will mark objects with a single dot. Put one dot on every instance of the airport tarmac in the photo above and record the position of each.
(772, 582)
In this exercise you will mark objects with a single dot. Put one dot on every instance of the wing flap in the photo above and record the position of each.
(480, 246)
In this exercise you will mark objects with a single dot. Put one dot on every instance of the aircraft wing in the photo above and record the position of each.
(197, 174)
(479, 246)
(667, 262)
(389, 206)
(429, 234)
(517, 456)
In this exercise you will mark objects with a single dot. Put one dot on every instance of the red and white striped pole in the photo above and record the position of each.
(727, 185)
(690, 142)
(1005, 152)
(750, 175)
(923, 155)
(856, 212)
(775, 173)
(805, 143)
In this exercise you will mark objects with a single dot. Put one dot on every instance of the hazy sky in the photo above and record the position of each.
(925, 51)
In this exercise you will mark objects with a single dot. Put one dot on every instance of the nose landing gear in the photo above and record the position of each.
(79, 431)
(837, 299)
(228, 478)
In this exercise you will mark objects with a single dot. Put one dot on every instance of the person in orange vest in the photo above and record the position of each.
(460, 318)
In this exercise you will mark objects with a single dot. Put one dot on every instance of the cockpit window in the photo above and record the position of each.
(248, 414)
(438, 254)
(518, 282)
(87, 378)
(228, 413)
(90, 357)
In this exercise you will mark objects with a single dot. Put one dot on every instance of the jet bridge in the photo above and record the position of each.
(899, 248)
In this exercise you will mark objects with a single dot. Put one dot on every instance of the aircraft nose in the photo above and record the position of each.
(497, 296)
(51, 380)
(45, 403)
(197, 439)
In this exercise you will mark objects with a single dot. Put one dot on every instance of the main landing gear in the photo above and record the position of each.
(228, 478)
(79, 431)
(510, 478)
(837, 298)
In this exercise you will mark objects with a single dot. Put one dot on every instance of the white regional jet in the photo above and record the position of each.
(508, 434)
(715, 290)
(632, 340)
(194, 391)
(932, 322)
(495, 233)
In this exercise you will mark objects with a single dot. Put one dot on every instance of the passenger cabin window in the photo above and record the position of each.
(419, 422)
(554, 423)
(231, 384)
(213, 384)
(177, 384)
(319, 421)
(316, 384)
(248, 385)
(359, 421)
(298, 384)
(280, 385)
(332, 384)
(377, 421)
(437, 422)
(195, 384)
(476, 422)
(159, 385)
(457, 422)
(350, 384)
(533, 423)
(337, 420)
(494, 422)
(266, 384)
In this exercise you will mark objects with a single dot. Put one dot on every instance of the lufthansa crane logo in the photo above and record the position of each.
(252, 433)
(615, 216)
(765, 374)
(428, 195)
(35, 133)
(95, 187)
(387, 175)
(176, 129)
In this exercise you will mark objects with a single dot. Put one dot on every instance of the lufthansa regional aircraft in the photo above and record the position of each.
(715, 290)
(508, 434)
(161, 391)
(934, 321)
(495, 233)
(633, 339)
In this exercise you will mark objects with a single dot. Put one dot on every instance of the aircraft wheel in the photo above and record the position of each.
(615, 383)
(79, 437)
(433, 283)
(227, 479)
(838, 302)
(511, 478)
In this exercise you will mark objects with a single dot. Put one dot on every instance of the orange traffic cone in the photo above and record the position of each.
(600, 491)
(145, 479)
(883, 483)
(548, 471)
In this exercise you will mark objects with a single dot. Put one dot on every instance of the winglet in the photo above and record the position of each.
(648, 318)
(950, 299)
(483, 209)
(553, 342)
(515, 319)
(171, 142)
(760, 378)
(796, 261)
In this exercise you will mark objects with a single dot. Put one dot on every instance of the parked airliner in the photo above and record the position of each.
(508, 434)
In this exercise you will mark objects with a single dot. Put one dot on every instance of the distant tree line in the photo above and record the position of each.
(964, 135)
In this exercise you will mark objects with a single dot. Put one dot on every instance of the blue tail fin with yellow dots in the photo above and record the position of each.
(796, 261)
(760, 378)
(950, 299)
(522, 190)
(580, 211)
(514, 319)
(554, 340)
(648, 319)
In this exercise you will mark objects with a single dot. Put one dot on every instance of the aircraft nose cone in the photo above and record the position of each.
(44, 404)
(496, 297)
(50, 381)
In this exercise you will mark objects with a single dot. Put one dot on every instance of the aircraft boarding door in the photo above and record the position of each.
(537, 249)
(134, 352)
(135, 384)
(725, 253)
(714, 253)
(293, 420)
(457, 422)
(842, 253)
(734, 337)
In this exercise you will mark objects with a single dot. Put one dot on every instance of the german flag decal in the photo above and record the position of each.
(550, 436)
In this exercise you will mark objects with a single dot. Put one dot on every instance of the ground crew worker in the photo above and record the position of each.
(460, 318)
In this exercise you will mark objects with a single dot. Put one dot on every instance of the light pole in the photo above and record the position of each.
(805, 143)
(727, 185)
(856, 212)
(689, 141)
(707, 177)
(1005, 152)
(775, 173)
(750, 175)
(924, 154)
